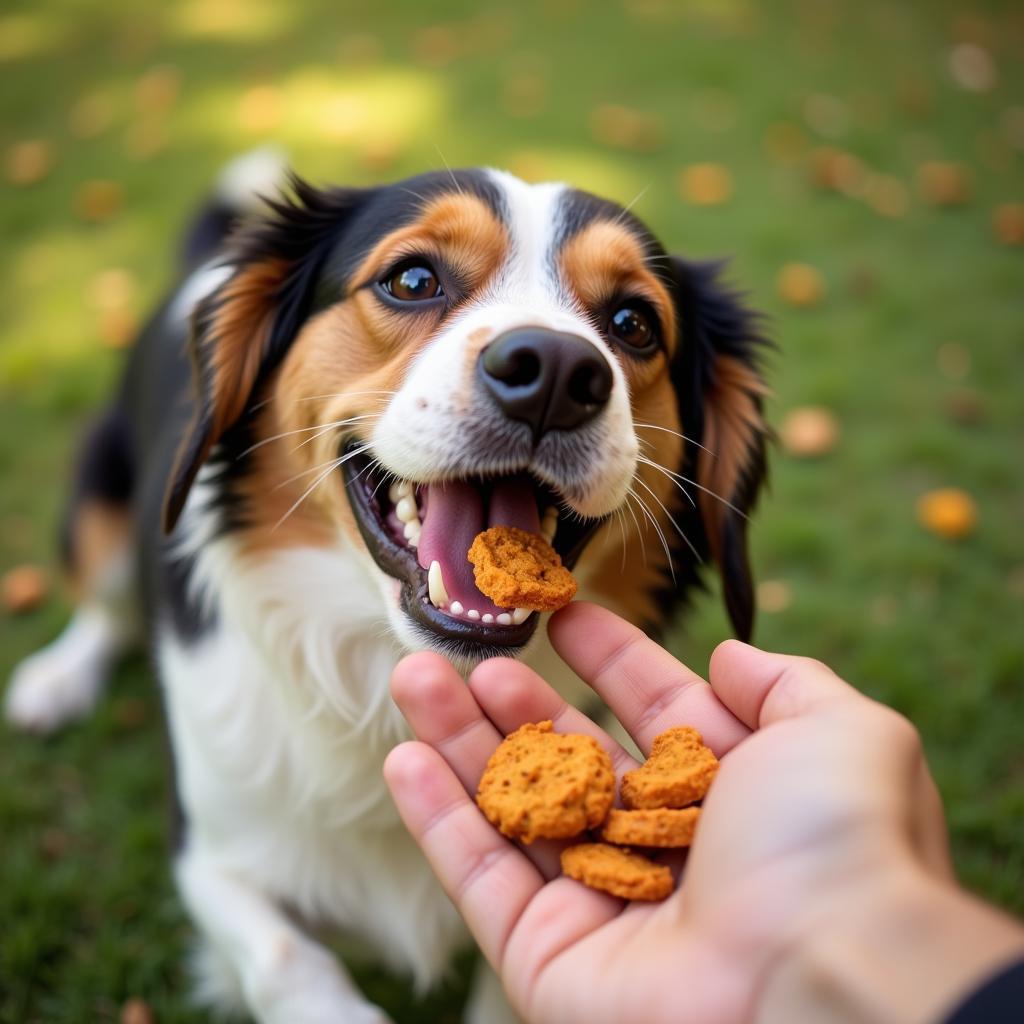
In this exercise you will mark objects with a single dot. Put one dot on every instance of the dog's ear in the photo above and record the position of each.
(717, 376)
(242, 329)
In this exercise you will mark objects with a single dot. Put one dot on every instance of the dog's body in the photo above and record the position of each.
(481, 348)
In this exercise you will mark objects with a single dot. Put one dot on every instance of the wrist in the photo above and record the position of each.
(904, 948)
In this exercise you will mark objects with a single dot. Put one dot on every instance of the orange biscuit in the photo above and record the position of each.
(664, 827)
(617, 871)
(678, 772)
(516, 569)
(542, 784)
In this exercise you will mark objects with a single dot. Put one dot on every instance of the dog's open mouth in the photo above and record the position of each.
(420, 534)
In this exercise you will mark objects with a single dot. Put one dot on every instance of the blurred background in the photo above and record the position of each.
(861, 161)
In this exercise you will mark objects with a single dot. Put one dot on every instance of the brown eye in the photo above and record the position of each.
(632, 326)
(413, 282)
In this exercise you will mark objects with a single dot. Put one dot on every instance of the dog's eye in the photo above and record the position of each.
(413, 282)
(632, 326)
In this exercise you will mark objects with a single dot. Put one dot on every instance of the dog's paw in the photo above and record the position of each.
(49, 689)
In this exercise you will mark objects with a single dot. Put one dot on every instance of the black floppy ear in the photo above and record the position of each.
(242, 330)
(720, 390)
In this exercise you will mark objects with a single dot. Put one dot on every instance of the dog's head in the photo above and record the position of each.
(397, 368)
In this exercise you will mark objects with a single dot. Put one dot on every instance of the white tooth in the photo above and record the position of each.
(488, 618)
(406, 509)
(435, 586)
(412, 533)
(548, 529)
(472, 614)
(520, 615)
(398, 490)
(504, 619)
(456, 608)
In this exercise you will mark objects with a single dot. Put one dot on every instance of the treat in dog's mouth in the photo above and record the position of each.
(421, 533)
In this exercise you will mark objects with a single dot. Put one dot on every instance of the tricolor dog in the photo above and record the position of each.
(342, 391)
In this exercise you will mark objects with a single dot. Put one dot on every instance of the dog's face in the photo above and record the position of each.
(411, 364)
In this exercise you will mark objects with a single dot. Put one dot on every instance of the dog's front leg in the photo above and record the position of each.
(285, 977)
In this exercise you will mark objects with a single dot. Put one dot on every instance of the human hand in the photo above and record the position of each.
(823, 820)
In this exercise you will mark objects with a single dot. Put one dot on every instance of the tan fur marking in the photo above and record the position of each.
(100, 534)
(347, 353)
(460, 228)
(606, 259)
(732, 424)
(238, 335)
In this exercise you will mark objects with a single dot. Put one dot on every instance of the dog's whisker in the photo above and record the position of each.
(327, 428)
(306, 472)
(367, 468)
(345, 394)
(387, 476)
(636, 522)
(316, 483)
(668, 430)
(644, 460)
(671, 519)
(303, 430)
(706, 490)
(315, 398)
(451, 173)
(621, 520)
(650, 517)
(629, 206)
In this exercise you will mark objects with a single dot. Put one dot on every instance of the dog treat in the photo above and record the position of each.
(678, 772)
(617, 871)
(542, 784)
(516, 569)
(661, 826)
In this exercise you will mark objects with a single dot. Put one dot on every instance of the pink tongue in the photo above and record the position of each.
(453, 514)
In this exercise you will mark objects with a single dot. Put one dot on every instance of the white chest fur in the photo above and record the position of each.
(281, 719)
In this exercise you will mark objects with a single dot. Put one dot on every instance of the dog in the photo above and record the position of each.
(340, 393)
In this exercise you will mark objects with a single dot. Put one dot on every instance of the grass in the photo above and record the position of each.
(920, 310)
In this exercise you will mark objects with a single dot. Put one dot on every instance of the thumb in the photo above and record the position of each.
(760, 688)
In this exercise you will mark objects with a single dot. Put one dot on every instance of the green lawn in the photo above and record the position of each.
(923, 313)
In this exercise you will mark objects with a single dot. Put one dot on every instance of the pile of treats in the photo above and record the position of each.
(540, 784)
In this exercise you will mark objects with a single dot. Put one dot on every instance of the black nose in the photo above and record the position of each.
(549, 380)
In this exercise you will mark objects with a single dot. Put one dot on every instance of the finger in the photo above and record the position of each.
(443, 713)
(648, 690)
(761, 688)
(512, 694)
(489, 880)
(929, 825)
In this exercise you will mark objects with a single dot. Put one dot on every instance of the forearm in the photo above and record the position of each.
(908, 953)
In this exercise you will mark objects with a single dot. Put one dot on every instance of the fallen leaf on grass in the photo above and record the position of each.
(137, 1011)
(943, 183)
(800, 285)
(29, 162)
(99, 200)
(706, 184)
(838, 171)
(627, 128)
(24, 588)
(809, 432)
(948, 512)
(1008, 223)
(774, 596)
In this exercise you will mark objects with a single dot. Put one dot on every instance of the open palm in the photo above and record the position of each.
(801, 823)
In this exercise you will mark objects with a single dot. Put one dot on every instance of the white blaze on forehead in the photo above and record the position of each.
(531, 217)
